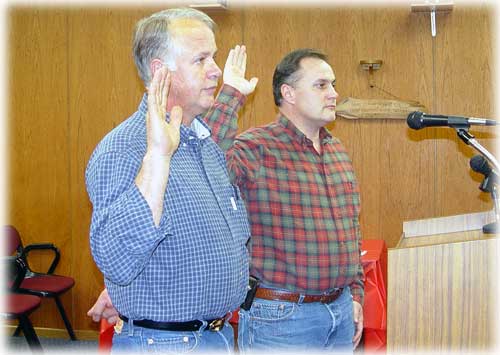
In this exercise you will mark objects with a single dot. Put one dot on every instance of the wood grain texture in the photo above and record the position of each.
(38, 142)
(464, 86)
(441, 294)
(105, 89)
(72, 79)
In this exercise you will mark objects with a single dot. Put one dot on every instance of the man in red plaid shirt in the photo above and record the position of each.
(303, 203)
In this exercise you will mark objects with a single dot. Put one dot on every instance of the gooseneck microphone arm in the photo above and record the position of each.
(469, 139)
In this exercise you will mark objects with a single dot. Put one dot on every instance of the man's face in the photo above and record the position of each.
(315, 95)
(195, 78)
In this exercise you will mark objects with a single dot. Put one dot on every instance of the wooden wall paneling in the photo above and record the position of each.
(270, 33)
(72, 79)
(105, 90)
(264, 52)
(464, 82)
(37, 150)
(384, 153)
(346, 43)
(405, 166)
(229, 33)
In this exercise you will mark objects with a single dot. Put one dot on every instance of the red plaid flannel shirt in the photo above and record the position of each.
(303, 206)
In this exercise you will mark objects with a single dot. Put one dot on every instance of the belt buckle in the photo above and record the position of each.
(118, 326)
(216, 325)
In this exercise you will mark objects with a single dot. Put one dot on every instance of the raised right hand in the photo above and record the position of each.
(162, 136)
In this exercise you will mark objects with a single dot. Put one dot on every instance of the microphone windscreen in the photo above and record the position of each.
(479, 164)
(414, 120)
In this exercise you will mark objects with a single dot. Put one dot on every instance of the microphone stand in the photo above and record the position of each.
(469, 139)
(492, 228)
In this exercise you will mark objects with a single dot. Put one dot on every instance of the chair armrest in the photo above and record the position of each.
(43, 246)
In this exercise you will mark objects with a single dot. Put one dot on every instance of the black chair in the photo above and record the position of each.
(19, 306)
(37, 283)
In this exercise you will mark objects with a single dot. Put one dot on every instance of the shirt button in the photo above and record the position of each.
(185, 339)
(150, 341)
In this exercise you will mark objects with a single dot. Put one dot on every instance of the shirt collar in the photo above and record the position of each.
(296, 134)
(198, 128)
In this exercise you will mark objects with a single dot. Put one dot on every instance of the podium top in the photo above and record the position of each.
(444, 238)
(449, 224)
(450, 229)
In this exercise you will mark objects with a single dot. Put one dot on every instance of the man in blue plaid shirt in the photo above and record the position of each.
(168, 229)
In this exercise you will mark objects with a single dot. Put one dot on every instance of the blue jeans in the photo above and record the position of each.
(138, 340)
(280, 325)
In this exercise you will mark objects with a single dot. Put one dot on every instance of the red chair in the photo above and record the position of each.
(19, 306)
(36, 283)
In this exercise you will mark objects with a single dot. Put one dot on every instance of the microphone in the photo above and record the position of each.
(419, 120)
(489, 184)
(479, 164)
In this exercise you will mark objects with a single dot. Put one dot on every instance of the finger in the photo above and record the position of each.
(358, 333)
(253, 83)
(90, 312)
(112, 320)
(97, 308)
(109, 312)
(161, 87)
(165, 90)
(176, 117)
(237, 53)
(357, 338)
(242, 58)
(153, 89)
(95, 313)
(230, 58)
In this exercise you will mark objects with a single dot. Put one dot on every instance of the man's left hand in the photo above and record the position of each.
(234, 71)
(357, 310)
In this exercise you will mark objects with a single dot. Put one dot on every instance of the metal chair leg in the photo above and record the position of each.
(65, 318)
(30, 334)
(17, 332)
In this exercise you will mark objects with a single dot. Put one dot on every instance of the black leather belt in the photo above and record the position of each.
(213, 325)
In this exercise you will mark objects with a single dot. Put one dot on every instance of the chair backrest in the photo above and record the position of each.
(16, 271)
(12, 239)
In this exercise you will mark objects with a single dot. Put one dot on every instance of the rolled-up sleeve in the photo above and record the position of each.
(123, 235)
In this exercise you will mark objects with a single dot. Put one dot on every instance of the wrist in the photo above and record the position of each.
(155, 165)
(155, 157)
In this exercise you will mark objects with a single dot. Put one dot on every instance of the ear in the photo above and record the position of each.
(288, 93)
(155, 65)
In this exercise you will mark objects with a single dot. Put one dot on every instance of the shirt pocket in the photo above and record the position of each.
(238, 217)
(347, 197)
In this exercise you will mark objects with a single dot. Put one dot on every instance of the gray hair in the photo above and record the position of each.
(152, 38)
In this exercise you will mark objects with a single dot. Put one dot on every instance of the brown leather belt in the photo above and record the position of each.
(278, 295)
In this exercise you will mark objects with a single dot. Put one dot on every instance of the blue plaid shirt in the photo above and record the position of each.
(194, 265)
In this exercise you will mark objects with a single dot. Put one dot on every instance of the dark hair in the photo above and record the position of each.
(289, 65)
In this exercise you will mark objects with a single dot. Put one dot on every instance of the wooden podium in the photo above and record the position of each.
(442, 285)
